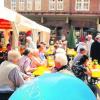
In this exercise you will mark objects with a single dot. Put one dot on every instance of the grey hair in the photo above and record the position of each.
(61, 50)
(13, 54)
(61, 58)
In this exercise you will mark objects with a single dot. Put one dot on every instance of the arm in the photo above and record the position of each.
(16, 77)
(27, 66)
(25, 76)
(37, 62)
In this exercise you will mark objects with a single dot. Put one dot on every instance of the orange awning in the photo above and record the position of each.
(5, 24)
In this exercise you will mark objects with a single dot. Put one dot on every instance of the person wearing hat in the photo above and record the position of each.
(95, 49)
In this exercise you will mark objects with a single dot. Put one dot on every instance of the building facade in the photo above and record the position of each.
(59, 15)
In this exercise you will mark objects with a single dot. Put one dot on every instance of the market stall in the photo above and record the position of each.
(45, 34)
(14, 28)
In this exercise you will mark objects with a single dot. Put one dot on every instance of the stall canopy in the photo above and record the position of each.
(25, 23)
(44, 29)
(33, 25)
(5, 24)
(7, 14)
(22, 22)
(6, 17)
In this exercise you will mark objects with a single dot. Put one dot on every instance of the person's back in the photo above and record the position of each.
(10, 76)
(80, 70)
(82, 52)
(77, 58)
(24, 63)
(5, 68)
(95, 51)
(10, 79)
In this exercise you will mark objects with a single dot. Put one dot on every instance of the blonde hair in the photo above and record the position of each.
(13, 54)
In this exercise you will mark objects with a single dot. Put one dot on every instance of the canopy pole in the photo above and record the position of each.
(98, 25)
(15, 36)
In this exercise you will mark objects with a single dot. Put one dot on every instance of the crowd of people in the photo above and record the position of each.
(19, 68)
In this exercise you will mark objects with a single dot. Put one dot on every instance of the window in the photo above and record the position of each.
(60, 4)
(29, 4)
(52, 5)
(21, 5)
(82, 5)
(37, 4)
(13, 4)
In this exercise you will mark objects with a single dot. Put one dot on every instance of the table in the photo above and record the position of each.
(41, 70)
(94, 75)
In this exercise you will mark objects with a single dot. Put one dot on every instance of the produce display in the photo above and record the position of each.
(94, 68)
(71, 52)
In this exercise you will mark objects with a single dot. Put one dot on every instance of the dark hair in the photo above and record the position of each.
(38, 46)
(43, 43)
(56, 46)
(82, 49)
(83, 59)
(8, 44)
(0, 46)
(26, 52)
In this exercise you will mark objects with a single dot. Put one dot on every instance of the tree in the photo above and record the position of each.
(71, 38)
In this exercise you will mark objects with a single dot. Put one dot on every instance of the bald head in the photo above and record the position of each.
(13, 56)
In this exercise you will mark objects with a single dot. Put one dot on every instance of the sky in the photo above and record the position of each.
(1, 3)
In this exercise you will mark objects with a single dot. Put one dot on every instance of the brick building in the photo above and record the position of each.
(59, 15)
